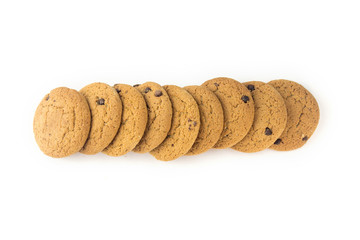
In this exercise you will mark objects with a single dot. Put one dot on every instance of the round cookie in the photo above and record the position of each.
(211, 119)
(184, 127)
(269, 120)
(61, 122)
(105, 107)
(303, 115)
(238, 107)
(133, 121)
(159, 116)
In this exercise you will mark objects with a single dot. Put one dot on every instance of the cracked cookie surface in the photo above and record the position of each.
(211, 119)
(106, 108)
(184, 127)
(269, 120)
(133, 121)
(61, 122)
(238, 107)
(302, 115)
(159, 116)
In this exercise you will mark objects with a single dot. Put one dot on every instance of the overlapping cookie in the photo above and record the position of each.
(184, 126)
(303, 115)
(133, 121)
(211, 119)
(159, 116)
(106, 109)
(238, 107)
(62, 122)
(269, 120)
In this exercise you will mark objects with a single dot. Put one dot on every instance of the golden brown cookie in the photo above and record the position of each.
(105, 107)
(133, 123)
(62, 122)
(211, 119)
(238, 107)
(269, 121)
(303, 115)
(159, 116)
(184, 127)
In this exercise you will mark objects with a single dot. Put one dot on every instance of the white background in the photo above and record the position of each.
(309, 193)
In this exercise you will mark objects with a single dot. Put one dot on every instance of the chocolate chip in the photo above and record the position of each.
(147, 90)
(101, 101)
(47, 97)
(195, 123)
(118, 90)
(251, 87)
(190, 127)
(268, 131)
(278, 141)
(158, 93)
(245, 98)
(305, 138)
(136, 85)
(172, 145)
(216, 84)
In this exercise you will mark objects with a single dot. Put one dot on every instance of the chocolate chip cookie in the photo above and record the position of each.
(159, 116)
(303, 115)
(269, 121)
(184, 127)
(106, 108)
(133, 121)
(211, 119)
(238, 107)
(61, 122)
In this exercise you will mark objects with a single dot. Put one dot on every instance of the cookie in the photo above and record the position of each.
(105, 107)
(211, 119)
(184, 127)
(61, 122)
(159, 116)
(269, 120)
(133, 121)
(303, 115)
(238, 107)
